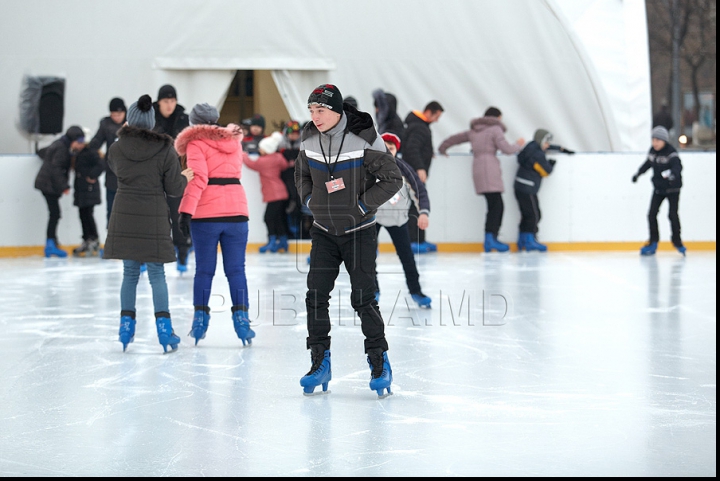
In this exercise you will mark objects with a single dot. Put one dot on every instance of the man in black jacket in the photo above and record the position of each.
(53, 180)
(171, 119)
(107, 134)
(417, 150)
(343, 174)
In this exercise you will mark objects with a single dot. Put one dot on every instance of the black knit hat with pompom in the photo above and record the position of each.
(141, 114)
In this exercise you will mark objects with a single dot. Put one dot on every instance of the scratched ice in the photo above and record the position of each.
(542, 365)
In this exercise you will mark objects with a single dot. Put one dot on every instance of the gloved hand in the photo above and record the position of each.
(552, 162)
(567, 151)
(184, 224)
(635, 178)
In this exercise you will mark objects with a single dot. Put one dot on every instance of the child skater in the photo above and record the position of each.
(270, 165)
(394, 215)
(214, 211)
(148, 170)
(667, 181)
(88, 168)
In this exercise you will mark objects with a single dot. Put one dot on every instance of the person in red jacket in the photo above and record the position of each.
(214, 211)
(270, 165)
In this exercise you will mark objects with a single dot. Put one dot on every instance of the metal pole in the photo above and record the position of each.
(675, 75)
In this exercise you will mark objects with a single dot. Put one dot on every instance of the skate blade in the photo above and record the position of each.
(319, 393)
(383, 396)
(170, 350)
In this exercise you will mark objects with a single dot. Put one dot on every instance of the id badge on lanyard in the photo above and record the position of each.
(335, 185)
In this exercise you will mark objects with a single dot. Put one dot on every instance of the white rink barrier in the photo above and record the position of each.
(589, 198)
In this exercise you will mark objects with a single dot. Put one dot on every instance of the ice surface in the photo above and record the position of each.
(527, 364)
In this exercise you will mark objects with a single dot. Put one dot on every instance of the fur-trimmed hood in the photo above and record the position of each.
(141, 144)
(484, 122)
(225, 139)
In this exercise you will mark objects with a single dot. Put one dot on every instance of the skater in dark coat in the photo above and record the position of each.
(394, 214)
(667, 182)
(533, 166)
(386, 113)
(417, 150)
(148, 170)
(53, 180)
(107, 134)
(171, 119)
(343, 174)
(88, 167)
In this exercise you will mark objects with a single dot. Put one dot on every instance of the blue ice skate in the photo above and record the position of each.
(531, 244)
(423, 301)
(51, 249)
(491, 244)
(242, 327)
(166, 335)
(280, 245)
(127, 331)
(380, 372)
(681, 249)
(521, 242)
(320, 373)
(269, 246)
(201, 321)
(649, 249)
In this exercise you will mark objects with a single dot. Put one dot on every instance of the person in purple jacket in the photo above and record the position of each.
(486, 137)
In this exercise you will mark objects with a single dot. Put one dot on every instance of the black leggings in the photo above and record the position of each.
(275, 218)
(87, 220)
(53, 203)
(495, 211)
(655, 202)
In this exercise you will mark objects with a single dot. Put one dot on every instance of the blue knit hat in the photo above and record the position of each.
(141, 114)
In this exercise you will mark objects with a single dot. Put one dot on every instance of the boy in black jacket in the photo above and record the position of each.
(667, 180)
(343, 174)
(533, 167)
(88, 168)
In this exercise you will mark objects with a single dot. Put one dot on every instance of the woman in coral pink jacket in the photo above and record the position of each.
(214, 210)
(270, 166)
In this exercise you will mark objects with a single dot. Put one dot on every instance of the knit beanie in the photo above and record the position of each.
(141, 114)
(117, 105)
(75, 134)
(328, 96)
(167, 92)
(204, 114)
(270, 144)
(392, 138)
(541, 136)
(291, 126)
(661, 133)
(258, 120)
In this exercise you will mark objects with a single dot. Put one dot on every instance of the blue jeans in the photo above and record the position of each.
(232, 237)
(128, 291)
